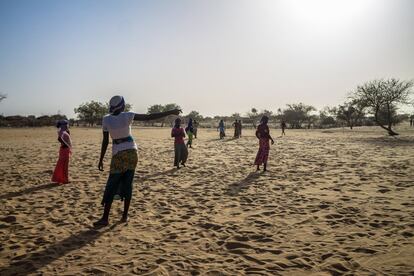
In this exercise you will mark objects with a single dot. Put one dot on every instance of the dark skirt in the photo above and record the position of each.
(180, 154)
(222, 134)
(118, 184)
(121, 176)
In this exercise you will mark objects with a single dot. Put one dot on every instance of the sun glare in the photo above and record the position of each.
(326, 15)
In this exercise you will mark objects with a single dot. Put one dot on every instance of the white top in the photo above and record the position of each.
(119, 126)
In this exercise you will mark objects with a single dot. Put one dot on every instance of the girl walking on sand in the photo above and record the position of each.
(190, 132)
(283, 127)
(263, 134)
(195, 128)
(180, 150)
(222, 130)
(61, 173)
(117, 124)
(236, 129)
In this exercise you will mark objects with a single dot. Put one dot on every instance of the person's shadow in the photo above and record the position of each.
(235, 188)
(154, 175)
(230, 139)
(28, 190)
(32, 262)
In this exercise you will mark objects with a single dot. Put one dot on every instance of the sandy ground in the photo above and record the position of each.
(334, 202)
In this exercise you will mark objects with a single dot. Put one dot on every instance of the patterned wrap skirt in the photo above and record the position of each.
(263, 153)
(121, 176)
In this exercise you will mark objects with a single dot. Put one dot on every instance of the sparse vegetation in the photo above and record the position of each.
(373, 103)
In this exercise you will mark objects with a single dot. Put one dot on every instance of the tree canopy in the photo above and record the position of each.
(156, 108)
(195, 115)
(350, 113)
(381, 98)
(297, 114)
(91, 112)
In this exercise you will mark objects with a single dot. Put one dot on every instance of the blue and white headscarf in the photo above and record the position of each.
(62, 123)
(116, 103)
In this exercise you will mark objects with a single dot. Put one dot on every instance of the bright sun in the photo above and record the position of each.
(325, 15)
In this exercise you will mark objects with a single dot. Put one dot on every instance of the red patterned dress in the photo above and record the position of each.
(61, 173)
(262, 133)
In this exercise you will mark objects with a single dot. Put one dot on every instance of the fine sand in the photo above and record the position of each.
(333, 202)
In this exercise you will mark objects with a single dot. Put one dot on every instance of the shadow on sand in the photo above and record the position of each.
(29, 190)
(231, 139)
(224, 140)
(393, 141)
(149, 176)
(235, 188)
(32, 262)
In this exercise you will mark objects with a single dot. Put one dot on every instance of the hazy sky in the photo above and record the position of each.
(213, 56)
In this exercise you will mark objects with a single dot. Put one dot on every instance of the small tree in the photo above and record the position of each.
(350, 112)
(235, 116)
(171, 106)
(195, 115)
(156, 108)
(91, 112)
(327, 117)
(311, 119)
(168, 107)
(381, 98)
(253, 115)
(297, 114)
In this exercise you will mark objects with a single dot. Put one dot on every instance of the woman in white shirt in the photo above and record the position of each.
(117, 124)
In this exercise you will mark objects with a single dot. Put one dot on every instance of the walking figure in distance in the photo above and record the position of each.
(190, 132)
(195, 128)
(240, 128)
(221, 129)
(180, 149)
(236, 129)
(283, 126)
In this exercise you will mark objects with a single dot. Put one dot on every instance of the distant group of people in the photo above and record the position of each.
(117, 125)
